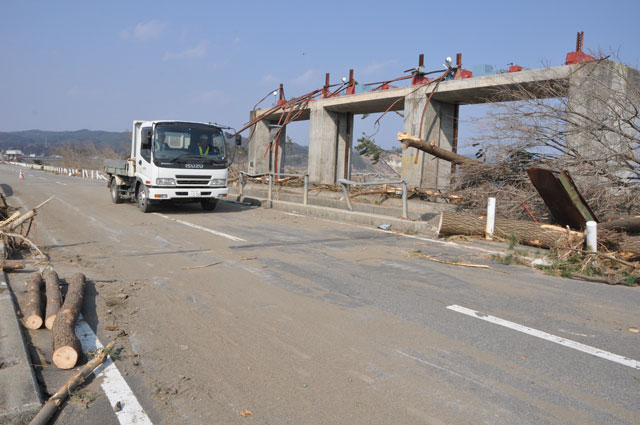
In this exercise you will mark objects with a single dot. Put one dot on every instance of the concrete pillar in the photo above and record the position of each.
(330, 141)
(261, 159)
(602, 101)
(344, 144)
(418, 168)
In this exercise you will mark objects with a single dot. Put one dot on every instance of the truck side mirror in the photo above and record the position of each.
(238, 139)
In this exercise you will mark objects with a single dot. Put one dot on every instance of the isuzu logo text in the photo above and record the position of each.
(193, 166)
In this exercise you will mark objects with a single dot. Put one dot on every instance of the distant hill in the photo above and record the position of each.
(40, 142)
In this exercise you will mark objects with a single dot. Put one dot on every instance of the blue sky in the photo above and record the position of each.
(69, 65)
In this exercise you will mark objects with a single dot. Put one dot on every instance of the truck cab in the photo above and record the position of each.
(172, 161)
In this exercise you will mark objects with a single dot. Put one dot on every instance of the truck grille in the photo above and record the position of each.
(190, 180)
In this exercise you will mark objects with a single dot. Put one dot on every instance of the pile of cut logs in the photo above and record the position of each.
(60, 318)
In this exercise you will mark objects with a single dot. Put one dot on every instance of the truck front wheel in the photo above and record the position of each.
(143, 199)
(208, 204)
(115, 194)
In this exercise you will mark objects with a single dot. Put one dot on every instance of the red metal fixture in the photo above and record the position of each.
(351, 86)
(281, 99)
(461, 73)
(325, 89)
(419, 74)
(515, 68)
(578, 56)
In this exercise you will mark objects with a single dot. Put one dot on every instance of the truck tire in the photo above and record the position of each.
(209, 204)
(115, 193)
(143, 199)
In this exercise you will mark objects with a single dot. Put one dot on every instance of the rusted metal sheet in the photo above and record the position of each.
(562, 197)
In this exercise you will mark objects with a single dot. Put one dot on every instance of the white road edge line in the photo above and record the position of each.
(549, 337)
(206, 229)
(113, 384)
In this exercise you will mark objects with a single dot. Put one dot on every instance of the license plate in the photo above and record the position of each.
(194, 193)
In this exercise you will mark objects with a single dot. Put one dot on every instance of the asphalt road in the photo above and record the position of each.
(298, 320)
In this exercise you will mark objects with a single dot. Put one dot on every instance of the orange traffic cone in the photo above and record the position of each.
(20, 176)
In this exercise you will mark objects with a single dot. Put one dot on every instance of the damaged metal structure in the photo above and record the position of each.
(431, 111)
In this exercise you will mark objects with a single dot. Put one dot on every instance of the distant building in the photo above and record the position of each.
(13, 155)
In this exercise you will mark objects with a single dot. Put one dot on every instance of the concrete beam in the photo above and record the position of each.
(468, 91)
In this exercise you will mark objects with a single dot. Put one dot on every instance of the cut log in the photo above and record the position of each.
(66, 347)
(524, 232)
(54, 297)
(54, 402)
(11, 264)
(430, 147)
(631, 246)
(33, 305)
(628, 225)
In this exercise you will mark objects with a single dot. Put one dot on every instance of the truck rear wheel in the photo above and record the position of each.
(143, 199)
(115, 193)
(209, 204)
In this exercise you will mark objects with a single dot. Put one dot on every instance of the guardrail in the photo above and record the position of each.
(405, 197)
(270, 196)
(87, 174)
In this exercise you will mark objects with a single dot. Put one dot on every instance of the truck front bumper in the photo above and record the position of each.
(166, 193)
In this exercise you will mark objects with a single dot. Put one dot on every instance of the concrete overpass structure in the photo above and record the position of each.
(331, 119)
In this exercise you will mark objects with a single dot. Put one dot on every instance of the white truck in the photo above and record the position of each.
(172, 161)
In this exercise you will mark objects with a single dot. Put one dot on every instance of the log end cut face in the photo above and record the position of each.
(65, 357)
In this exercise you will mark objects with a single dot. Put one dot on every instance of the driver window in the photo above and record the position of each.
(145, 145)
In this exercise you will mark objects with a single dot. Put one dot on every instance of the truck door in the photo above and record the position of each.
(144, 154)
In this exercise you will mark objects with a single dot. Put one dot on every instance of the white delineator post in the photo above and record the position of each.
(491, 218)
(592, 236)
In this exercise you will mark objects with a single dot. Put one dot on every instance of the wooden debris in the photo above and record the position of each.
(54, 297)
(455, 263)
(51, 406)
(66, 347)
(33, 305)
(203, 266)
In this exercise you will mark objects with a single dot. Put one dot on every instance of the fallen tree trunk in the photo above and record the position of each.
(630, 245)
(33, 305)
(628, 225)
(525, 232)
(409, 141)
(54, 402)
(66, 347)
(54, 298)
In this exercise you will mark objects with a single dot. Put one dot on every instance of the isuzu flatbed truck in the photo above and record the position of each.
(172, 161)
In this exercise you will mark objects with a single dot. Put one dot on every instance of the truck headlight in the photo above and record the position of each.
(166, 182)
(218, 182)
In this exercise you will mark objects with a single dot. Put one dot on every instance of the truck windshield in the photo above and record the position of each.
(181, 143)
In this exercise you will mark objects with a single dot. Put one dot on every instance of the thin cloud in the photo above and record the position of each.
(148, 30)
(197, 52)
(305, 78)
(143, 31)
(216, 96)
(376, 66)
(269, 79)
